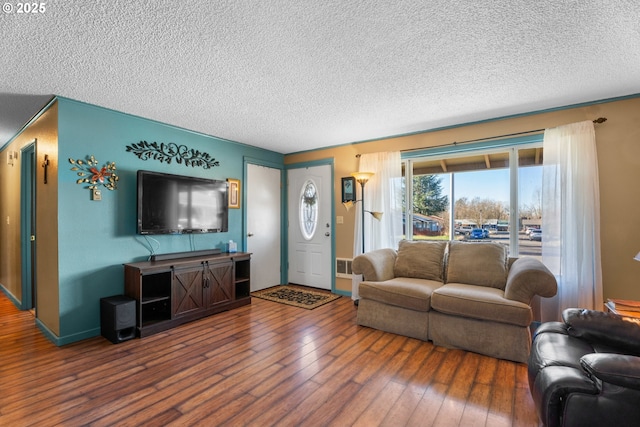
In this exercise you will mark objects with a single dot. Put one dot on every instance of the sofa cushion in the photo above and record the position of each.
(552, 346)
(479, 302)
(481, 264)
(420, 259)
(414, 294)
(605, 328)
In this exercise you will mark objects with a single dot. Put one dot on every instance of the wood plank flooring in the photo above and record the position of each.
(260, 365)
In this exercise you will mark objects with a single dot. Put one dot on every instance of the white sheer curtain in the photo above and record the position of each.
(383, 193)
(571, 218)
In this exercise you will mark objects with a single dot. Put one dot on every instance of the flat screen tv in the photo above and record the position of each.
(175, 204)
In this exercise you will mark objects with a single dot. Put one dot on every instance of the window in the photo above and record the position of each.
(308, 209)
(471, 196)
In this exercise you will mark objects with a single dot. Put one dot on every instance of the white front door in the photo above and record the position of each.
(263, 225)
(310, 225)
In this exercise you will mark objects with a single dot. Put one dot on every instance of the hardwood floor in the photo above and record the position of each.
(264, 364)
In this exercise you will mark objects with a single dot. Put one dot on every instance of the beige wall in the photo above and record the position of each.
(48, 295)
(10, 262)
(45, 130)
(618, 142)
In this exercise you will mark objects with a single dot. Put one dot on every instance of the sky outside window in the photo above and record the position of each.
(494, 184)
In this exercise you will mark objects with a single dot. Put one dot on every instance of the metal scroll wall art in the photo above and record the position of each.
(168, 152)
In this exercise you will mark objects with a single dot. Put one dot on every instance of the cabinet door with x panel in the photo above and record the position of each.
(187, 291)
(218, 283)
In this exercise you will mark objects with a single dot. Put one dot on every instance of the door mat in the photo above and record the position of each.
(298, 297)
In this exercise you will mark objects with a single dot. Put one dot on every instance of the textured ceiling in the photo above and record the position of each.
(296, 75)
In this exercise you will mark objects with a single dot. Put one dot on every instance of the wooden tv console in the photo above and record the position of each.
(170, 292)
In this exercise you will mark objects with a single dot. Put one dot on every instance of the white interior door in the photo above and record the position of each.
(309, 208)
(263, 225)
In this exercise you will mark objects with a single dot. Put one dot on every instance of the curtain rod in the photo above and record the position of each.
(454, 143)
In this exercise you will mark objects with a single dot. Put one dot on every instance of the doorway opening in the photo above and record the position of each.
(28, 225)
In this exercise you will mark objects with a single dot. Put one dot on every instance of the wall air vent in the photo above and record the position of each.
(343, 267)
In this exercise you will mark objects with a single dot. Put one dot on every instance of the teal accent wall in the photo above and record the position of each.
(97, 237)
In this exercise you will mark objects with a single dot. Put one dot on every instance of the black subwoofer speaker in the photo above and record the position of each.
(118, 318)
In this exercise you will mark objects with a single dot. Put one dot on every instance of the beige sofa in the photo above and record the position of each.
(463, 295)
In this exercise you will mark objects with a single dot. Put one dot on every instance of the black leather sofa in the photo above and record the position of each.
(585, 371)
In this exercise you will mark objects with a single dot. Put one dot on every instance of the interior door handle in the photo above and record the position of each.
(249, 234)
(327, 234)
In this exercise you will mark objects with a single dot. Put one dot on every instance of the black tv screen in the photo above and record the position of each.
(175, 204)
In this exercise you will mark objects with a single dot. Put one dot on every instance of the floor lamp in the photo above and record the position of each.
(362, 178)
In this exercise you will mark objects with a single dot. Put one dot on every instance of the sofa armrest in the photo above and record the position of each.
(375, 266)
(552, 386)
(612, 368)
(529, 277)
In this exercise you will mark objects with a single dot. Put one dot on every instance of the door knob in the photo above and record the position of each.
(327, 234)
(249, 234)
